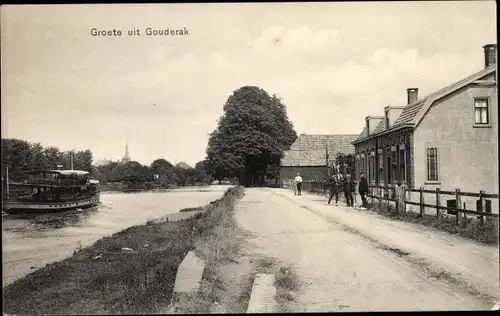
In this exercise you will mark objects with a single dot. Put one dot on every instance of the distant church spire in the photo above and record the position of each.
(126, 157)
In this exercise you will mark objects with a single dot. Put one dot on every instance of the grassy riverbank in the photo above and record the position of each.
(217, 243)
(106, 279)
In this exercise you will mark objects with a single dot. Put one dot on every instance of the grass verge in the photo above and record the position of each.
(106, 279)
(217, 243)
(470, 227)
(287, 284)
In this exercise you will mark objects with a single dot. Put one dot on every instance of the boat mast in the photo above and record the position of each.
(7, 176)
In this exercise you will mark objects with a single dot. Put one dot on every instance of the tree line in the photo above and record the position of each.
(22, 156)
(247, 145)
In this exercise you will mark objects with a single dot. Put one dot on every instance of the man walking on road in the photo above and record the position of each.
(363, 189)
(334, 189)
(298, 183)
(348, 190)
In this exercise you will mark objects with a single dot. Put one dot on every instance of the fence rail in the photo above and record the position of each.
(468, 194)
(398, 195)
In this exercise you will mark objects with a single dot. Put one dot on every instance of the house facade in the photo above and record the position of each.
(311, 156)
(446, 140)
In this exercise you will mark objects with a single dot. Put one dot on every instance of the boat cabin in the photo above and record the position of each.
(54, 185)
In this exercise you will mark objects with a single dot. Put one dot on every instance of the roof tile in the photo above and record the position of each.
(310, 150)
(410, 113)
(380, 127)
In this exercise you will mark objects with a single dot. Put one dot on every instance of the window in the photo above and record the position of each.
(394, 165)
(368, 169)
(373, 166)
(388, 166)
(432, 164)
(380, 167)
(481, 111)
(402, 165)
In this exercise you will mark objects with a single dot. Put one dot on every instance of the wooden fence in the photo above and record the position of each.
(308, 185)
(399, 196)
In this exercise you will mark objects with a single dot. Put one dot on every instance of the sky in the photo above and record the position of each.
(331, 63)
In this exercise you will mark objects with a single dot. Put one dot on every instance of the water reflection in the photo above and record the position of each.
(48, 221)
(33, 240)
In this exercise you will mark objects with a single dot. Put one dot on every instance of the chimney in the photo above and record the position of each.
(367, 120)
(490, 54)
(386, 118)
(412, 95)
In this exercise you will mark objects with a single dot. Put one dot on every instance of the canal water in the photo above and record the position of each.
(30, 242)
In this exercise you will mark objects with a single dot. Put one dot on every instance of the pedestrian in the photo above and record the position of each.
(363, 190)
(334, 189)
(352, 184)
(298, 183)
(348, 190)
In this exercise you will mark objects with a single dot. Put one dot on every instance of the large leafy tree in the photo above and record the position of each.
(203, 172)
(250, 137)
(133, 174)
(165, 171)
(345, 163)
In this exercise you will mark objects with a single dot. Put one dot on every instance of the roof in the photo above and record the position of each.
(63, 172)
(310, 158)
(409, 113)
(183, 165)
(335, 143)
(414, 113)
(380, 127)
(310, 150)
(362, 135)
(451, 89)
(71, 172)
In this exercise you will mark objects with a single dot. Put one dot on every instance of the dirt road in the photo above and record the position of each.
(351, 260)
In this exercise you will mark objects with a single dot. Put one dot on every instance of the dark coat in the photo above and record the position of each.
(352, 185)
(347, 184)
(334, 184)
(363, 185)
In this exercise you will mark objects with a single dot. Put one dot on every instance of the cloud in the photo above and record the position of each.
(330, 72)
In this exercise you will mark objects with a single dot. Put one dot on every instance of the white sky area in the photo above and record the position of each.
(331, 63)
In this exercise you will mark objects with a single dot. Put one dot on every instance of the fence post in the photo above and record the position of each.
(403, 198)
(438, 204)
(422, 209)
(396, 199)
(481, 206)
(457, 202)
(371, 189)
(465, 215)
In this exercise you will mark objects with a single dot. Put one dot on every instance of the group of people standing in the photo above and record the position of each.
(344, 183)
(340, 183)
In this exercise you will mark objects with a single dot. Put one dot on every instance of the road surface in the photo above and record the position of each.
(352, 260)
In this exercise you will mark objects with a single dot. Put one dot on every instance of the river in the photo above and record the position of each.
(30, 242)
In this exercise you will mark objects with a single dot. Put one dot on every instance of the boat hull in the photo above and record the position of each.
(39, 207)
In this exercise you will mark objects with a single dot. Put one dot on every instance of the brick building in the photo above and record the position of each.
(447, 140)
(311, 155)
